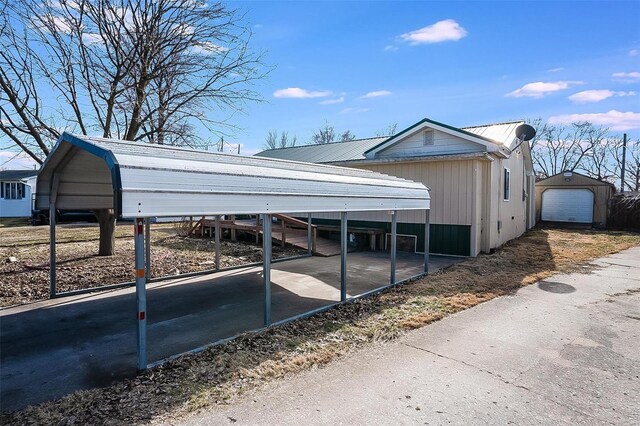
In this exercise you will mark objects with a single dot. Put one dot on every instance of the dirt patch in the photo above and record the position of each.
(222, 373)
(79, 267)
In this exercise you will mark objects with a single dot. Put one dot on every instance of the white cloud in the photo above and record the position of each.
(540, 89)
(208, 48)
(555, 69)
(89, 38)
(376, 94)
(353, 110)
(332, 101)
(54, 23)
(626, 76)
(390, 48)
(10, 160)
(587, 96)
(633, 52)
(617, 120)
(257, 26)
(447, 30)
(298, 93)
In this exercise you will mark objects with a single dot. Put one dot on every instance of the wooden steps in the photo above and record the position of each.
(294, 233)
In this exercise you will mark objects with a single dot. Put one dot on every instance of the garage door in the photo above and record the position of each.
(567, 205)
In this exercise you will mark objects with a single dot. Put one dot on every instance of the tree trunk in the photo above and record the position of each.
(107, 221)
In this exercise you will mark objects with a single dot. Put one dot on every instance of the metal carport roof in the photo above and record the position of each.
(143, 180)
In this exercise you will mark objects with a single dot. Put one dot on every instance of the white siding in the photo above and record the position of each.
(17, 208)
(512, 213)
(451, 190)
(412, 146)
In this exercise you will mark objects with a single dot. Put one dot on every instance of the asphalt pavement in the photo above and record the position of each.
(563, 351)
(51, 348)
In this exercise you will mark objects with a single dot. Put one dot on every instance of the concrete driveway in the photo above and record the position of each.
(564, 351)
(51, 348)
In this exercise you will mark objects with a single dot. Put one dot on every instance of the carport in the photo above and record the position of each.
(141, 181)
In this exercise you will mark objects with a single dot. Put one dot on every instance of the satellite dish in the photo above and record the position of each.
(524, 132)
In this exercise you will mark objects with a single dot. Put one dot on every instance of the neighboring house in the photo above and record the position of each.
(574, 198)
(481, 180)
(16, 192)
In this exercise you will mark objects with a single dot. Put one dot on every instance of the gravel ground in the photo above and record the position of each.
(79, 267)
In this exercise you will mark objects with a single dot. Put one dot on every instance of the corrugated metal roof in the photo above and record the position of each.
(6, 175)
(326, 153)
(143, 180)
(336, 152)
(502, 133)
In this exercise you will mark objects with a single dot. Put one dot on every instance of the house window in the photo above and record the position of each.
(11, 190)
(427, 138)
(507, 184)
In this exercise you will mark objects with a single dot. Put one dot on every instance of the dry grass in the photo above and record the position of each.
(79, 267)
(221, 373)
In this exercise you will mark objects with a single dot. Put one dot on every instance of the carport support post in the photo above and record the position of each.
(141, 294)
(217, 242)
(52, 234)
(343, 256)
(309, 235)
(147, 249)
(266, 266)
(426, 241)
(394, 237)
(52, 250)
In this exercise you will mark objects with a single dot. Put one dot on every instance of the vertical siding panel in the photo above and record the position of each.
(437, 192)
(462, 193)
(454, 171)
(466, 192)
(446, 191)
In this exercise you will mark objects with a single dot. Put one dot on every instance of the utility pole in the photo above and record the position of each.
(624, 161)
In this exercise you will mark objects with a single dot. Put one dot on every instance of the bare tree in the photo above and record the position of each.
(596, 161)
(585, 148)
(326, 134)
(632, 176)
(390, 130)
(272, 141)
(138, 70)
(632, 163)
(555, 149)
(347, 136)
(285, 142)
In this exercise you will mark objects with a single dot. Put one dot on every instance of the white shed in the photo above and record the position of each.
(16, 192)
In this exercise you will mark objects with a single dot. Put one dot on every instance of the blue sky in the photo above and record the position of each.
(363, 65)
(458, 70)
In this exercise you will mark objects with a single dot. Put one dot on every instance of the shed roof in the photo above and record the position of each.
(142, 180)
(6, 175)
(571, 178)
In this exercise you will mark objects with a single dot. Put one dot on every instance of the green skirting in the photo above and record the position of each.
(444, 238)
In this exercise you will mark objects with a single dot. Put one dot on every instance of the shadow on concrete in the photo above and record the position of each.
(556, 287)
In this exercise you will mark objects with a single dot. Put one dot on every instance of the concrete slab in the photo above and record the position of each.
(54, 347)
(564, 351)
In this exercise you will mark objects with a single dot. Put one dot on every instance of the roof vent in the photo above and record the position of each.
(427, 138)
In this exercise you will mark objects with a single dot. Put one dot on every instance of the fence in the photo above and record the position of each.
(624, 211)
